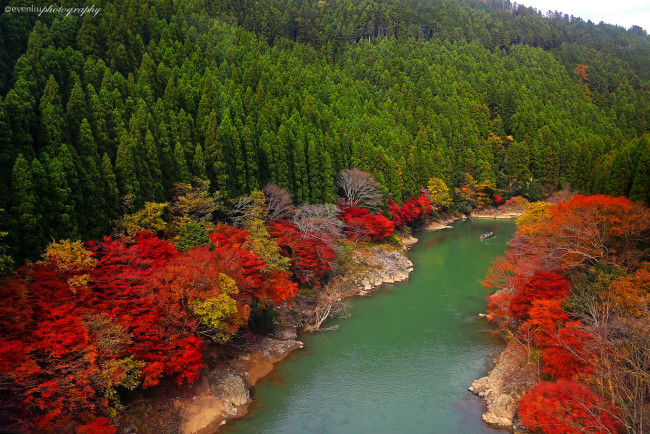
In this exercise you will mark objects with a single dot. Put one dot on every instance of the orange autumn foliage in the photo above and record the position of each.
(581, 72)
(586, 229)
(567, 407)
(631, 294)
(248, 270)
(195, 277)
(541, 286)
(544, 317)
(581, 239)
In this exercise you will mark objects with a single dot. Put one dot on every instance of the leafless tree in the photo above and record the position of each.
(319, 222)
(360, 189)
(331, 302)
(278, 202)
(620, 351)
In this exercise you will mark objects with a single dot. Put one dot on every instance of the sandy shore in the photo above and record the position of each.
(436, 226)
(223, 393)
(504, 215)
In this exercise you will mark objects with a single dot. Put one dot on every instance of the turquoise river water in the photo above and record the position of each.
(403, 360)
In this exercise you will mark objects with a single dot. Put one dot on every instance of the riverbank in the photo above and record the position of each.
(510, 210)
(403, 359)
(223, 393)
(376, 267)
(503, 387)
(512, 374)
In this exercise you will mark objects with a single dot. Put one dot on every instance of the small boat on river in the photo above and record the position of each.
(486, 235)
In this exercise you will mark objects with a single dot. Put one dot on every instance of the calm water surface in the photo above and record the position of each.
(403, 360)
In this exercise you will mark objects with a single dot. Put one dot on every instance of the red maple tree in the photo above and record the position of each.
(566, 407)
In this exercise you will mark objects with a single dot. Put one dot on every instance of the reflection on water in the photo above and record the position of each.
(404, 359)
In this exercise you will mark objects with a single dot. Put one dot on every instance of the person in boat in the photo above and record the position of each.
(486, 235)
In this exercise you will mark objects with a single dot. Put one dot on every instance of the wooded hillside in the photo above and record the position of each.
(148, 94)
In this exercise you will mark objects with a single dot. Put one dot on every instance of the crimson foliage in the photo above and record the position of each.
(65, 347)
(412, 210)
(566, 407)
(248, 270)
(119, 290)
(565, 353)
(311, 256)
(542, 285)
(363, 225)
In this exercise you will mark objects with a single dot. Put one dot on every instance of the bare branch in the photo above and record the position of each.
(278, 202)
(245, 208)
(319, 222)
(360, 189)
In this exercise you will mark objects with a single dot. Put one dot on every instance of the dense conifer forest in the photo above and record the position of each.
(146, 95)
(171, 172)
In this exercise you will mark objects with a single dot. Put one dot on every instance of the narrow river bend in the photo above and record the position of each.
(404, 359)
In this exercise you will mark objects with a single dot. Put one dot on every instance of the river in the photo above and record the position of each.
(403, 360)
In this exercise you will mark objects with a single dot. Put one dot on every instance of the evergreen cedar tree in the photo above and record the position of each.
(89, 115)
(581, 258)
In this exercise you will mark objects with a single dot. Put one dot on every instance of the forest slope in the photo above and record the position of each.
(142, 96)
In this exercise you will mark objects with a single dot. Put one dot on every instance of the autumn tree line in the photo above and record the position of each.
(91, 322)
(573, 290)
(126, 104)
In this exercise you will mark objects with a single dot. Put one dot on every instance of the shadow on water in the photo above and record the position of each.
(445, 235)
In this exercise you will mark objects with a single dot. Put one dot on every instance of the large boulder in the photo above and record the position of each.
(229, 387)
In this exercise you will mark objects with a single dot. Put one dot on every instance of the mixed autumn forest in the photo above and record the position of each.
(171, 172)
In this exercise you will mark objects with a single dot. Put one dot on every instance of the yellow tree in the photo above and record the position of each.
(439, 193)
(220, 316)
(250, 213)
(71, 260)
(535, 212)
(149, 218)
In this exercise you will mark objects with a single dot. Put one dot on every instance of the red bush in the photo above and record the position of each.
(412, 210)
(64, 347)
(100, 425)
(565, 354)
(543, 321)
(311, 256)
(246, 268)
(566, 407)
(363, 225)
(541, 286)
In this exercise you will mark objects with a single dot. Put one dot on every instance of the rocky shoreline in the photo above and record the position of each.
(223, 393)
(503, 387)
